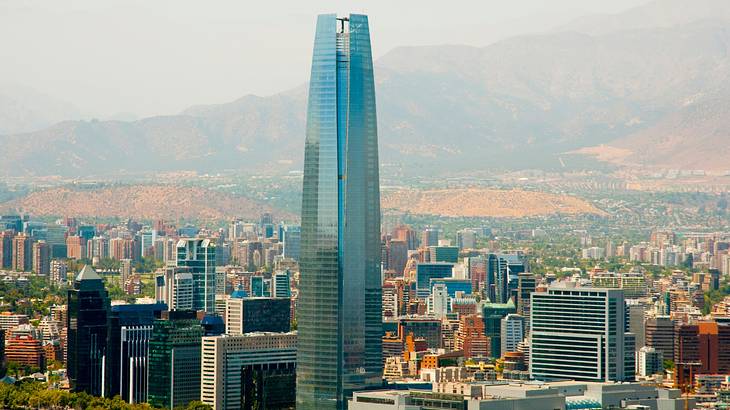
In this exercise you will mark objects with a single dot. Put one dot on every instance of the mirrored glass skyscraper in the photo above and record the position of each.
(339, 314)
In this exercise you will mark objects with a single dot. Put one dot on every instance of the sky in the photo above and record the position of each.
(136, 58)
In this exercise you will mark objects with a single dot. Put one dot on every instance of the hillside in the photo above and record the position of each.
(480, 202)
(517, 103)
(144, 202)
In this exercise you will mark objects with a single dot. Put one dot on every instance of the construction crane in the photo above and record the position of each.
(685, 384)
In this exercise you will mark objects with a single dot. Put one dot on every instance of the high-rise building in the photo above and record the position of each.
(339, 308)
(444, 254)
(88, 333)
(59, 272)
(470, 337)
(430, 237)
(706, 343)
(492, 314)
(466, 239)
(41, 258)
(292, 241)
(580, 333)
(22, 253)
(427, 271)
(512, 332)
(281, 285)
(175, 288)
(525, 287)
(251, 371)
(76, 247)
(246, 315)
(174, 360)
(128, 352)
(199, 256)
(659, 334)
(406, 234)
(6, 249)
(438, 301)
(397, 256)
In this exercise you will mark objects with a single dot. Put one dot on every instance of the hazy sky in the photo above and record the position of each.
(149, 57)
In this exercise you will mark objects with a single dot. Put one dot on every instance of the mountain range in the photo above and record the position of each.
(648, 83)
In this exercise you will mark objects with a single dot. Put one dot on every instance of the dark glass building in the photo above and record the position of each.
(174, 365)
(88, 334)
(427, 271)
(339, 308)
(129, 337)
(493, 313)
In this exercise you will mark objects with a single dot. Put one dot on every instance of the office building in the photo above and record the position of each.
(292, 240)
(6, 249)
(448, 254)
(512, 332)
(88, 333)
(428, 329)
(128, 357)
(659, 334)
(174, 360)
(257, 314)
(651, 362)
(453, 285)
(251, 371)
(198, 255)
(397, 256)
(406, 234)
(705, 343)
(430, 237)
(175, 288)
(492, 314)
(581, 334)
(438, 301)
(427, 271)
(281, 285)
(525, 287)
(340, 343)
(466, 239)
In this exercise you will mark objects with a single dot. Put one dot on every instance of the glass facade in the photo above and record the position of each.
(199, 256)
(174, 360)
(339, 311)
(88, 334)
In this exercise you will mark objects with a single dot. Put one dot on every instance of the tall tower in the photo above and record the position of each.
(88, 334)
(198, 255)
(339, 309)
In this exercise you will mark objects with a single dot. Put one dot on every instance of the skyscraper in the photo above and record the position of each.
(88, 333)
(339, 309)
(199, 256)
